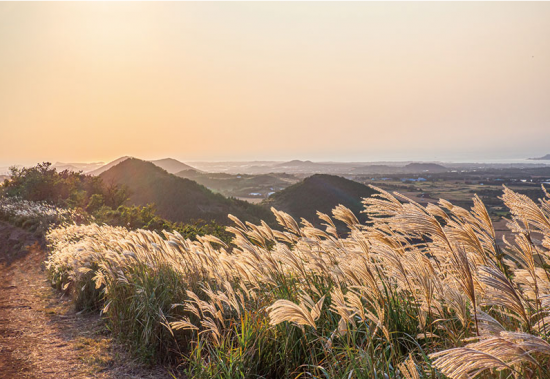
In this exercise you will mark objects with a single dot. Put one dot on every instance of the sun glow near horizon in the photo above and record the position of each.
(236, 81)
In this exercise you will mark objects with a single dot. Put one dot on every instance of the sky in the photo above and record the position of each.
(85, 82)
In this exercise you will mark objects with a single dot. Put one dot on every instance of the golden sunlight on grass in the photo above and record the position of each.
(418, 292)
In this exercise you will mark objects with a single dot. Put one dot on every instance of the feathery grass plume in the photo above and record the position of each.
(359, 274)
(183, 324)
(286, 221)
(464, 276)
(236, 220)
(481, 214)
(526, 211)
(415, 220)
(545, 205)
(394, 266)
(330, 227)
(530, 275)
(408, 369)
(421, 272)
(254, 234)
(354, 302)
(466, 236)
(381, 204)
(305, 313)
(501, 292)
(425, 284)
(408, 217)
(488, 326)
(338, 305)
(346, 216)
(477, 219)
(542, 317)
(528, 342)
(508, 350)
(455, 300)
(467, 362)
(438, 211)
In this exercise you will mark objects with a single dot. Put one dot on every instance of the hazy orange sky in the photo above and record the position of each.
(242, 81)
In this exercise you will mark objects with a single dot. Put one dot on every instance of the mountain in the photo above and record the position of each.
(322, 193)
(106, 167)
(65, 166)
(306, 167)
(545, 158)
(7, 169)
(171, 165)
(297, 163)
(179, 199)
(84, 167)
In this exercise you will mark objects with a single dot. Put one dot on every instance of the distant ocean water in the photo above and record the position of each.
(498, 161)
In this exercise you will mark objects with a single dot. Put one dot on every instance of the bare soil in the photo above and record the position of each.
(41, 335)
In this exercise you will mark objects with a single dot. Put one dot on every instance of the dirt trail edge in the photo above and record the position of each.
(41, 336)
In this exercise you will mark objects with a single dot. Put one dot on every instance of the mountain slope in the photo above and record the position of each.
(320, 193)
(178, 199)
(106, 167)
(297, 163)
(545, 158)
(171, 165)
(84, 167)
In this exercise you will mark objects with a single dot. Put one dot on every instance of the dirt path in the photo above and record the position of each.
(41, 336)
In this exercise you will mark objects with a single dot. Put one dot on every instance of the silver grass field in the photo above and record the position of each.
(418, 292)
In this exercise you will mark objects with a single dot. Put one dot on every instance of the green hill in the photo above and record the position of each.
(179, 199)
(320, 193)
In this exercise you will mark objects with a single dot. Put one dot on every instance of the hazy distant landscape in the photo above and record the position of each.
(258, 250)
(274, 190)
(184, 192)
(135, 238)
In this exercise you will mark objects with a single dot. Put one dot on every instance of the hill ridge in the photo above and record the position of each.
(178, 199)
(543, 158)
(320, 192)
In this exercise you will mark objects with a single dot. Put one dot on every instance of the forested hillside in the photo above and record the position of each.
(178, 199)
(320, 193)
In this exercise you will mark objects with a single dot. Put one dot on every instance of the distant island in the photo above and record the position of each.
(545, 158)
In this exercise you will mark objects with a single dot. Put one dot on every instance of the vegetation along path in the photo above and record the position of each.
(41, 336)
